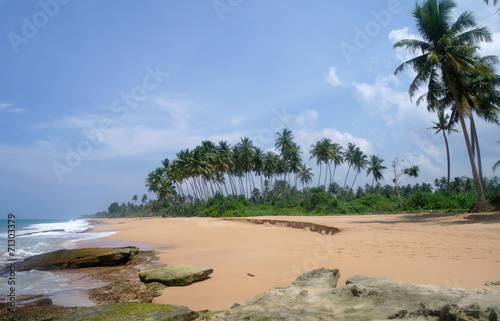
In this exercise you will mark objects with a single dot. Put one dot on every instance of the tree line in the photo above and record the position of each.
(233, 170)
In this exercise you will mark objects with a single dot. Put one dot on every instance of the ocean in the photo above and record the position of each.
(34, 237)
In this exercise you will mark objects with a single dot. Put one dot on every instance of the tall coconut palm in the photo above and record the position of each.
(375, 168)
(246, 152)
(286, 146)
(317, 152)
(258, 164)
(305, 174)
(359, 163)
(335, 158)
(270, 166)
(153, 181)
(479, 95)
(348, 158)
(446, 53)
(294, 161)
(444, 125)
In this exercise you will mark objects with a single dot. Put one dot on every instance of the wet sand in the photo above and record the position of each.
(249, 259)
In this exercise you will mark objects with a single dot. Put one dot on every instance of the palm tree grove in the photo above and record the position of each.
(451, 79)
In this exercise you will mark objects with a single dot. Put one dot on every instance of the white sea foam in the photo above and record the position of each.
(37, 237)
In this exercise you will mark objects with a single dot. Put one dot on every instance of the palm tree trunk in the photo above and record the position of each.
(481, 197)
(355, 177)
(448, 160)
(479, 161)
(319, 178)
(347, 175)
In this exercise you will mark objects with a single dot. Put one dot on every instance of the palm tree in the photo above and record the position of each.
(287, 148)
(245, 152)
(447, 51)
(317, 152)
(444, 125)
(412, 171)
(348, 157)
(478, 94)
(359, 163)
(258, 164)
(305, 174)
(335, 157)
(376, 168)
(294, 161)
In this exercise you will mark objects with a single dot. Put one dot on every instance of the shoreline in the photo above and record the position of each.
(446, 250)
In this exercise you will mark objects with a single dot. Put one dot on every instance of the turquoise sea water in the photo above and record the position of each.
(34, 237)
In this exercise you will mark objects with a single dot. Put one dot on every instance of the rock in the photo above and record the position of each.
(312, 297)
(134, 312)
(39, 302)
(492, 283)
(322, 278)
(178, 275)
(74, 259)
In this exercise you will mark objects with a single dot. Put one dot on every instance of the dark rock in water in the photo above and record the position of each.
(74, 259)
(178, 275)
(39, 302)
(134, 312)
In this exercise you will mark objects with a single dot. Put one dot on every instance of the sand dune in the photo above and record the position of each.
(252, 255)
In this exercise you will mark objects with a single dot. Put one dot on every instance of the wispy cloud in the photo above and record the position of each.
(332, 77)
(7, 108)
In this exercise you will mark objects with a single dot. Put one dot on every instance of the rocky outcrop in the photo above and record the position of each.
(178, 275)
(313, 296)
(78, 258)
(134, 312)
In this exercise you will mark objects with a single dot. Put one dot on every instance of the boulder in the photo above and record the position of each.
(313, 296)
(134, 312)
(178, 275)
(77, 258)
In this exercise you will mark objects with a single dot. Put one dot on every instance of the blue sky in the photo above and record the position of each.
(94, 94)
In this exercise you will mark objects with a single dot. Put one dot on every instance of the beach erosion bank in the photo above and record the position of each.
(248, 259)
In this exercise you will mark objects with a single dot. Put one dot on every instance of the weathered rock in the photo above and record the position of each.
(311, 297)
(39, 302)
(178, 275)
(134, 312)
(78, 258)
(321, 278)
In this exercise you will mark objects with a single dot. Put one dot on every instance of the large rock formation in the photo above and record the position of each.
(313, 296)
(178, 275)
(78, 258)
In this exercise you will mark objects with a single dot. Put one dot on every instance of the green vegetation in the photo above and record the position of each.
(284, 199)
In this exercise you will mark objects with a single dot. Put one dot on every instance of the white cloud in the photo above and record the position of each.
(380, 96)
(6, 108)
(425, 164)
(332, 77)
(307, 118)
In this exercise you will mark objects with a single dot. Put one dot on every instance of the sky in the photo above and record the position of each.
(94, 94)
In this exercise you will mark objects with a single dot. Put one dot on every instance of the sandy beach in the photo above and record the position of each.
(249, 259)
